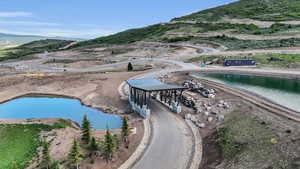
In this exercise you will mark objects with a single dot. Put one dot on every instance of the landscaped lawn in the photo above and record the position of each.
(19, 143)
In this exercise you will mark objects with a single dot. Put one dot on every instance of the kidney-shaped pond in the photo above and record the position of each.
(53, 107)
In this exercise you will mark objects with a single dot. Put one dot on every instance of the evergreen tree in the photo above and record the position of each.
(74, 154)
(14, 165)
(116, 141)
(46, 160)
(93, 144)
(108, 146)
(125, 131)
(86, 130)
(55, 165)
(129, 67)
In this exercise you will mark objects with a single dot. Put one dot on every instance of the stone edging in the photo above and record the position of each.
(198, 147)
(138, 153)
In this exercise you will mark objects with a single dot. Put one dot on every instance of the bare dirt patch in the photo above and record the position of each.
(277, 133)
(95, 89)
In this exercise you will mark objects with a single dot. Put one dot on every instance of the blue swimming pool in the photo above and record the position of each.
(54, 107)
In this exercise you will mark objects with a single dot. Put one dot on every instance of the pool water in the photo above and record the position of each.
(279, 90)
(53, 107)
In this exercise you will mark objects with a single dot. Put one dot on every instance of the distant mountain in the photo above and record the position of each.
(13, 40)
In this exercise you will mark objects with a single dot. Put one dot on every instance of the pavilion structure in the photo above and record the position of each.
(142, 91)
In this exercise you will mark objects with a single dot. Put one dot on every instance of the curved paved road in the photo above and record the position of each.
(171, 144)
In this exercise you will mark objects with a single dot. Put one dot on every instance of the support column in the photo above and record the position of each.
(137, 98)
(165, 95)
(169, 97)
(134, 95)
(145, 98)
(180, 96)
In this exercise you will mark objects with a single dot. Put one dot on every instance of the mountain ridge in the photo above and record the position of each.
(273, 13)
(7, 39)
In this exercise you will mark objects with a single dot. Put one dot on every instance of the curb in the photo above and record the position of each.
(140, 150)
(196, 159)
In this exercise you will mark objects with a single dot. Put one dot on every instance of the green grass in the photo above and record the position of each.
(246, 142)
(129, 36)
(274, 29)
(19, 143)
(62, 123)
(155, 33)
(34, 47)
(238, 44)
(266, 10)
(269, 60)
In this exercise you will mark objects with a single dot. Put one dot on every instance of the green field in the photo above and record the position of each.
(19, 142)
(248, 142)
(34, 47)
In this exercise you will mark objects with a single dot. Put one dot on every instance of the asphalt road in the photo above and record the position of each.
(171, 144)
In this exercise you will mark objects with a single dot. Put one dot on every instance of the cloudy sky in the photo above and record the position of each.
(91, 18)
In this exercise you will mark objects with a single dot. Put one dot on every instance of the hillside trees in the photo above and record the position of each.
(86, 130)
(74, 155)
(129, 67)
(125, 131)
(46, 160)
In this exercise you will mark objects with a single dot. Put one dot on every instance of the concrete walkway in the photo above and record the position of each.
(171, 145)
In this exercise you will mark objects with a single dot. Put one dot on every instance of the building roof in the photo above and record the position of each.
(151, 84)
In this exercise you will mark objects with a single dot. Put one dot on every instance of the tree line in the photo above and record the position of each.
(104, 148)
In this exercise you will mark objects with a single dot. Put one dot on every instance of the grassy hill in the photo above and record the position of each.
(204, 21)
(14, 40)
(156, 33)
(34, 47)
(189, 27)
(264, 10)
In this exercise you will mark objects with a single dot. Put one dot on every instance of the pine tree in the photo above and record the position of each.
(125, 131)
(74, 155)
(93, 144)
(129, 67)
(14, 165)
(55, 165)
(86, 130)
(116, 141)
(108, 146)
(46, 160)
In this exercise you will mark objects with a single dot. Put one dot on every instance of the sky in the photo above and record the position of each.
(91, 18)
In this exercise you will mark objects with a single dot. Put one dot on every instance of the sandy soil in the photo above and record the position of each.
(97, 90)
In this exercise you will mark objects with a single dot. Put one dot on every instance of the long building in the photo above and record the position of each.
(239, 62)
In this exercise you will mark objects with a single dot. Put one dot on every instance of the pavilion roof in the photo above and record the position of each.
(152, 84)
